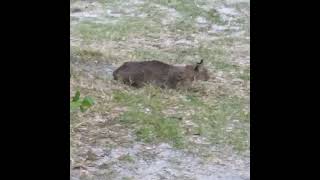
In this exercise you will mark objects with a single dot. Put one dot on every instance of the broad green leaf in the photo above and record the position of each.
(76, 97)
(88, 101)
(76, 104)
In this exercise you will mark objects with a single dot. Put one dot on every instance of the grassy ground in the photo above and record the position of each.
(107, 33)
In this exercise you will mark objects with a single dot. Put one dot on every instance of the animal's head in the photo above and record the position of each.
(199, 71)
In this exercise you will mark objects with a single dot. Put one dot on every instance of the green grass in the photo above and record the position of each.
(183, 27)
(126, 158)
(146, 114)
(153, 12)
(213, 119)
(154, 127)
(86, 54)
(245, 75)
(119, 31)
(190, 10)
(127, 178)
(147, 54)
(150, 98)
(213, 55)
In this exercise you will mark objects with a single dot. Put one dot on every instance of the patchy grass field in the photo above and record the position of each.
(153, 133)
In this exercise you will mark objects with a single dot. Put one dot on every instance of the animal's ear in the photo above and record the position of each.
(199, 65)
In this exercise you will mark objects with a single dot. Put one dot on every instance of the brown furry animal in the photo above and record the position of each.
(160, 74)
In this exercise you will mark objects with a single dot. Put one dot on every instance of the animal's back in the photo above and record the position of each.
(142, 72)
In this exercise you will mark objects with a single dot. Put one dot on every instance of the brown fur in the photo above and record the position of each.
(158, 73)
